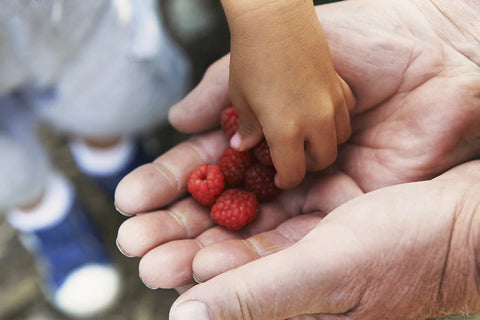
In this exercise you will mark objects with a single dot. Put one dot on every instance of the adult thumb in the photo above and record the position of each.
(200, 109)
(310, 277)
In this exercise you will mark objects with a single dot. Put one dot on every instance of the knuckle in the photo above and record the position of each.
(291, 179)
(244, 301)
(330, 157)
(344, 134)
(287, 131)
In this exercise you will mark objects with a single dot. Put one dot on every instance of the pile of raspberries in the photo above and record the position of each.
(234, 186)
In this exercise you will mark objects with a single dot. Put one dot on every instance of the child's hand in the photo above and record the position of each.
(284, 86)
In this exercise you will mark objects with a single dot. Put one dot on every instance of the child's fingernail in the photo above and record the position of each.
(236, 141)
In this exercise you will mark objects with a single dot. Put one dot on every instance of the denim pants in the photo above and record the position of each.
(94, 68)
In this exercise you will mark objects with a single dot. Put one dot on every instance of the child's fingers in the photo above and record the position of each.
(288, 155)
(342, 113)
(348, 95)
(321, 148)
(342, 124)
(249, 130)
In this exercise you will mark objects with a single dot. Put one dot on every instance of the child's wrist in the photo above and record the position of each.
(272, 15)
(237, 8)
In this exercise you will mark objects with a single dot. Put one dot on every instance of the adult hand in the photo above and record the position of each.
(170, 237)
(409, 251)
(404, 130)
(416, 78)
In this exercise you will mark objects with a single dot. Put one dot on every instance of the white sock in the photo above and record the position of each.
(102, 161)
(53, 207)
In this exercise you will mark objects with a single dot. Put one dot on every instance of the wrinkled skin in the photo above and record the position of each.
(403, 252)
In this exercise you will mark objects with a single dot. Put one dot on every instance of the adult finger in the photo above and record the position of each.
(157, 184)
(175, 259)
(205, 264)
(263, 288)
(200, 109)
(176, 255)
(319, 197)
(184, 220)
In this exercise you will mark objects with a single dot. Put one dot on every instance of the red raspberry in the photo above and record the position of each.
(262, 153)
(234, 209)
(206, 183)
(259, 179)
(234, 164)
(230, 121)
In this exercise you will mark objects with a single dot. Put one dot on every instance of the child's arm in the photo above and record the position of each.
(284, 86)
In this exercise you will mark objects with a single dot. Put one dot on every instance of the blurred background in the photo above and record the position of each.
(200, 29)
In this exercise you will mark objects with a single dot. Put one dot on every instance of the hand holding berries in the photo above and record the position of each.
(252, 170)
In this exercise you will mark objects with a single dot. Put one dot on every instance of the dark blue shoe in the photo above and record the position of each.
(109, 165)
(109, 182)
(79, 277)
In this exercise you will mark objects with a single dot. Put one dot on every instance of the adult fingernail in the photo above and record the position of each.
(146, 285)
(119, 247)
(196, 278)
(191, 309)
(120, 211)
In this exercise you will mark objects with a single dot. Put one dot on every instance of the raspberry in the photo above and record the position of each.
(206, 183)
(234, 209)
(230, 121)
(262, 153)
(259, 179)
(234, 164)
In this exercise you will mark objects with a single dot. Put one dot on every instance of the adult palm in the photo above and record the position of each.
(417, 85)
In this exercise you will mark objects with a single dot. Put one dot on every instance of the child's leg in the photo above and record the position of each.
(116, 84)
(120, 84)
(40, 203)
